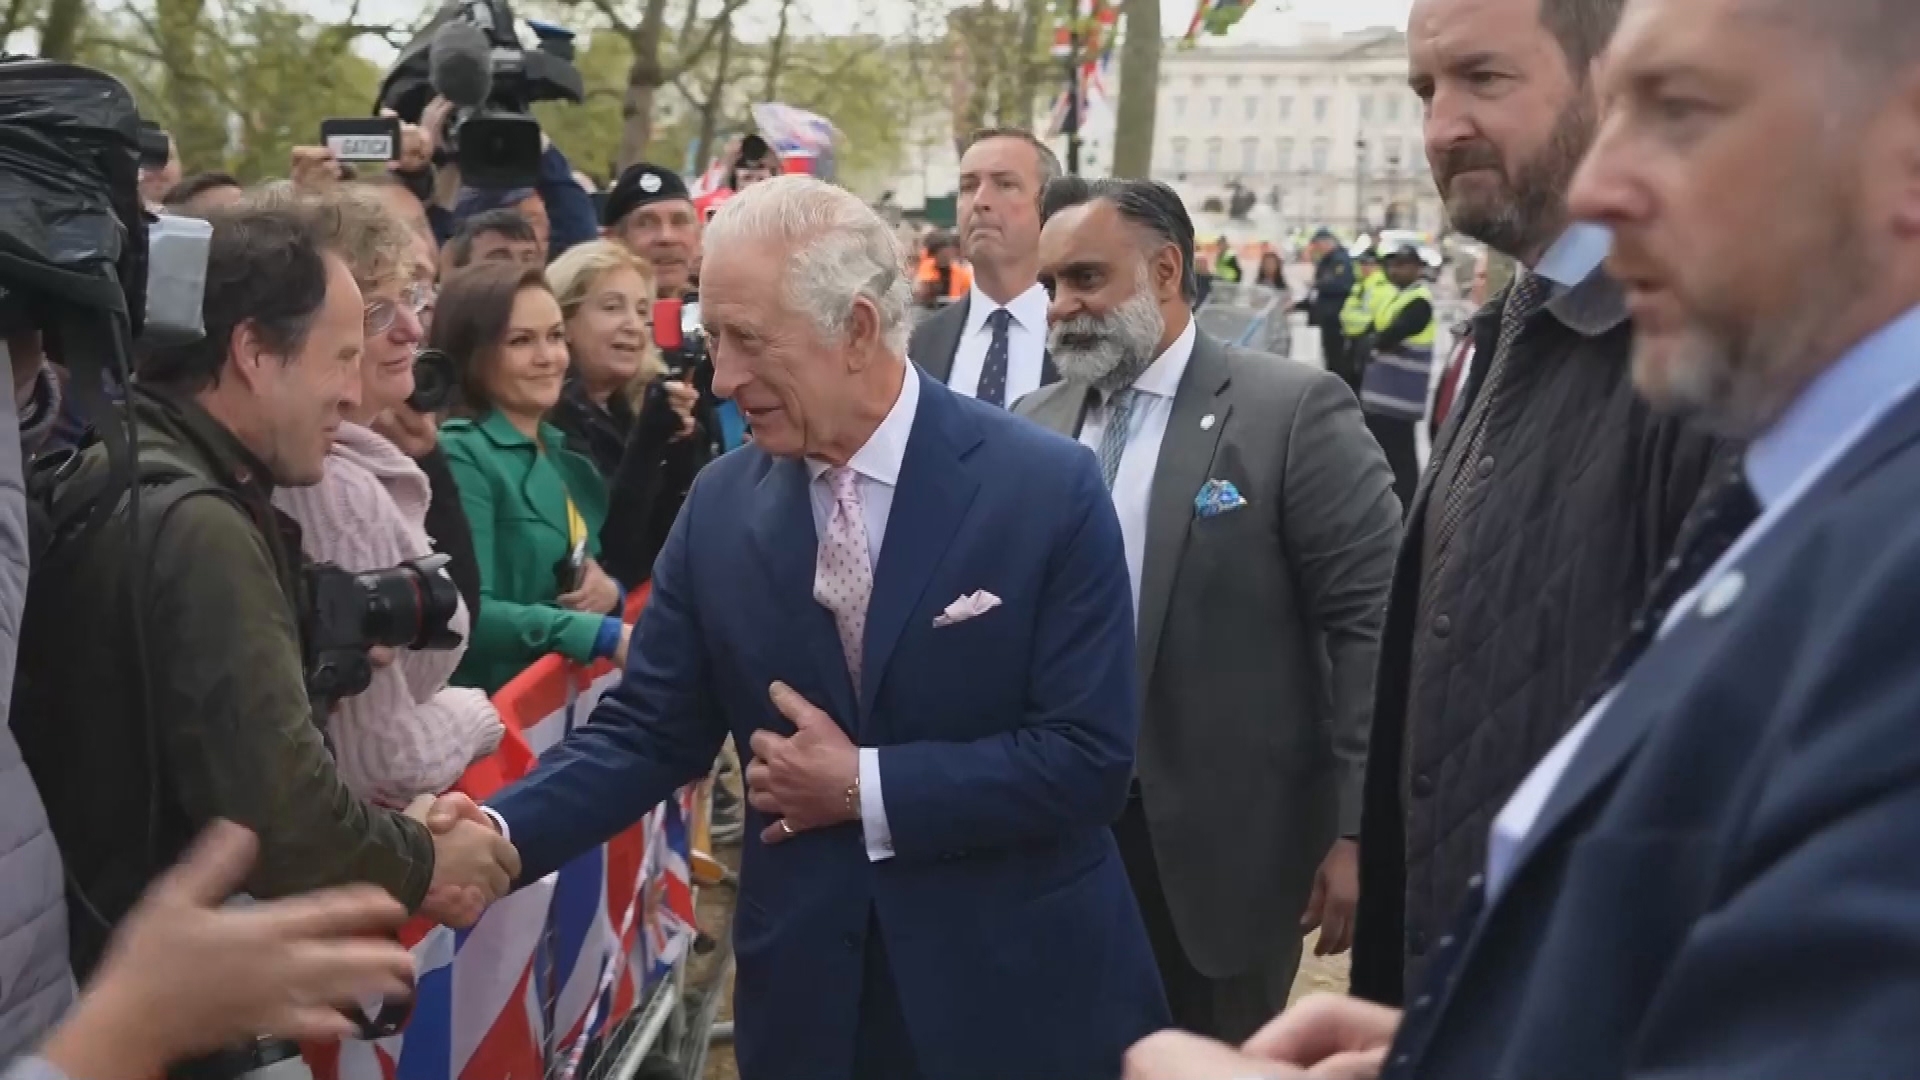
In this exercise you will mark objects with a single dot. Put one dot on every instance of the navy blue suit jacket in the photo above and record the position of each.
(1006, 748)
(1726, 882)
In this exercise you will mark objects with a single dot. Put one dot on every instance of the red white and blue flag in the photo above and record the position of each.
(521, 994)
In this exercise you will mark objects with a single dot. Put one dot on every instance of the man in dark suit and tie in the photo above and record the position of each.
(914, 610)
(1260, 527)
(1714, 874)
(992, 343)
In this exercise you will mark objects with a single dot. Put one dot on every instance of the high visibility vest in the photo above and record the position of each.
(1399, 302)
(1364, 302)
(1395, 384)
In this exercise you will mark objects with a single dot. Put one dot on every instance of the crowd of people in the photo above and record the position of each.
(1078, 668)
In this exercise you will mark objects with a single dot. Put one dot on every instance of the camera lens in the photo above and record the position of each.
(433, 382)
(407, 607)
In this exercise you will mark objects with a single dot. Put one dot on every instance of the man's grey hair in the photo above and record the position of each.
(1050, 169)
(838, 251)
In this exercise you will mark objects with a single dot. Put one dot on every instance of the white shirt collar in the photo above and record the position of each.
(1576, 255)
(886, 449)
(1162, 377)
(1029, 310)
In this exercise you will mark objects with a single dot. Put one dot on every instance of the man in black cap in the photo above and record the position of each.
(650, 211)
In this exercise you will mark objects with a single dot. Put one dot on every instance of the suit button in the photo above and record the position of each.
(1447, 942)
(1423, 1003)
(1442, 626)
(1422, 785)
(851, 941)
(1485, 468)
(1417, 942)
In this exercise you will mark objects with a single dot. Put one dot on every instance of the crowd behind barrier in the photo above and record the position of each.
(560, 962)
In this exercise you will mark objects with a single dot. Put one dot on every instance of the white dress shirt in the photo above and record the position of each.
(1026, 343)
(1835, 412)
(878, 466)
(1133, 484)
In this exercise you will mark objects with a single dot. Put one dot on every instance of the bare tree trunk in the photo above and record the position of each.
(777, 54)
(716, 92)
(1029, 68)
(60, 32)
(645, 76)
(197, 124)
(1139, 89)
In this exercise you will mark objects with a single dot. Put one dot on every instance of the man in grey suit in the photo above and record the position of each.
(1260, 528)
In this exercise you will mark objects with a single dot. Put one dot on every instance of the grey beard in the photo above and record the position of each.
(1121, 345)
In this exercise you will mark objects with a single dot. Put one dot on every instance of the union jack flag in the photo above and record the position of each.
(546, 970)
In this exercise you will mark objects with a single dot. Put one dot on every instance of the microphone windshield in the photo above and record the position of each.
(460, 64)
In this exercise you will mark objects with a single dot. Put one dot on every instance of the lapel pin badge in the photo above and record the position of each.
(1722, 593)
(1206, 422)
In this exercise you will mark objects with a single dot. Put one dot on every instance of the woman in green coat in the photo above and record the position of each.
(535, 507)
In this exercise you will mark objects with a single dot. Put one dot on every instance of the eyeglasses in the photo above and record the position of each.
(382, 314)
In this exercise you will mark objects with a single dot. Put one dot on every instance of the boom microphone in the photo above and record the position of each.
(460, 64)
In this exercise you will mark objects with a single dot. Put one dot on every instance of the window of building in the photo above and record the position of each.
(1366, 108)
(1322, 149)
(1213, 108)
(1253, 108)
(1249, 155)
(1213, 154)
(1199, 81)
(1179, 155)
(1233, 81)
(1391, 150)
(1320, 107)
(1283, 156)
(1393, 108)
(1180, 107)
(1270, 81)
(1286, 108)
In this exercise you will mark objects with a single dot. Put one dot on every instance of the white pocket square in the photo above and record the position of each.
(967, 607)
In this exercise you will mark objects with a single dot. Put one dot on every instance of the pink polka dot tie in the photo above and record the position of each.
(843, 572)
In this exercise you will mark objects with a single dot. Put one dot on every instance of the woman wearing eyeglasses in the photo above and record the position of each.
(409, 733)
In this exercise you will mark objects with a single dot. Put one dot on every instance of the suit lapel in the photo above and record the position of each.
(929, 503)
(948, 327)
(1059, 407)
(1670, 665)
(783, 530)
(1186, 455)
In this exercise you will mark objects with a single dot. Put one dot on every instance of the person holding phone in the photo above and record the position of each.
(620, 407)
(536, 507)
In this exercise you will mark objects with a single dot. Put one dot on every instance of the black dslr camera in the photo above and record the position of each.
(406, 607)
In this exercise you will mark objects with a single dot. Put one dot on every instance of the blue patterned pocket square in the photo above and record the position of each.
(1217, 497)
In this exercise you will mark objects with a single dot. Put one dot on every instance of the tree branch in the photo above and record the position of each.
(614, 19)
(15, 17)
(712, 34)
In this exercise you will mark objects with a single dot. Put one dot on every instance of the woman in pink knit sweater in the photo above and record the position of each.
(409, 734)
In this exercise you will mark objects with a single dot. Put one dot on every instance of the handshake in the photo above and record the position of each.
(473, 865)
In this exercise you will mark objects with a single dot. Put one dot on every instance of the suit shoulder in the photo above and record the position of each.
(1267, 379)
(929, 329)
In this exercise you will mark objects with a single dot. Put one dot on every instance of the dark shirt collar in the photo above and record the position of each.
(236, 466)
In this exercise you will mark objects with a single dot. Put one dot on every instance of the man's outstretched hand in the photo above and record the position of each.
(186, 975)
(805, 779)
(473, 865)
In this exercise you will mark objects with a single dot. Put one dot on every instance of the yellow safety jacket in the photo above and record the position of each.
(1364, 302)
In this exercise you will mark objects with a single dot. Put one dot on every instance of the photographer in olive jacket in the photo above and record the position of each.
(163, 650)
